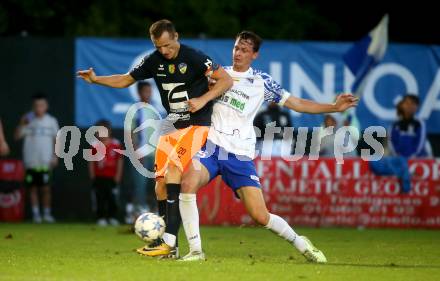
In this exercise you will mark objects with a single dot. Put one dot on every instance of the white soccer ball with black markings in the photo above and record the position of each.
(149, 227)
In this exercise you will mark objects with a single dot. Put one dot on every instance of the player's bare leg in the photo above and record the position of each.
(253, 199)
(195, 177)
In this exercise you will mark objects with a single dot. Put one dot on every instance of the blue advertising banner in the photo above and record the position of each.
(312, 70)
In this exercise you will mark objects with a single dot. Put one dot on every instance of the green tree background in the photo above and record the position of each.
(193, 18)
(337, 20)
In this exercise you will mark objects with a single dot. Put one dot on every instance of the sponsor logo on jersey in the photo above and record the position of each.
(234, 102)
(208, 64)
(182, 67)
(237, 104)
(171, 68)
(255, 178)
(210, 67)
(161, 67)
(251, 80)
(239, 93)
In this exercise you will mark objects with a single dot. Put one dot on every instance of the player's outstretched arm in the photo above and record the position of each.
(222, 83)
(342, 103)
(114, 81)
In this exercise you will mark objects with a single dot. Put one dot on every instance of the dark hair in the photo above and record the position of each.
(39, 96)
(159, 27)
(412, 97)
(104, 123)
(251, 36)
(142, 84)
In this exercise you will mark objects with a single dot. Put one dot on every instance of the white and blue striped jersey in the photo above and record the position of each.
(234, 112)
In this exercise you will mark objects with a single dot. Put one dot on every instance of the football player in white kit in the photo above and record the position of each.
(231, 147)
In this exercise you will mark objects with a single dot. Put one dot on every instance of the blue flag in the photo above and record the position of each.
(367, 53)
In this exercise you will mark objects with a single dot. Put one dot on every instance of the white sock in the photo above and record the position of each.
(47, 211)
(129, 208)
(169, 239)
(190, 220)
(35, 211)
(279, 226)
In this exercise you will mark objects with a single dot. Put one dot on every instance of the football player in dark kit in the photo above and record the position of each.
(181, 74)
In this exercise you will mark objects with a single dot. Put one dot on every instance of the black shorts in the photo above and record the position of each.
(38, 177)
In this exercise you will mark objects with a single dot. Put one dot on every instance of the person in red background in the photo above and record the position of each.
(106, 175)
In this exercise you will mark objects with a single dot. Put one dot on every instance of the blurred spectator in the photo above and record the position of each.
(4, 148)
(327, 142)
(143, 198)
(407, 136)
(106, 175)
(337, 120)
(39, 129)
(406, 139)
(273, 113)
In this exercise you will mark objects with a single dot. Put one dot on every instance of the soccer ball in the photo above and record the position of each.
(149, 227)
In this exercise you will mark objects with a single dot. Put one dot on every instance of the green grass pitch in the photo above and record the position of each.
(86, 252)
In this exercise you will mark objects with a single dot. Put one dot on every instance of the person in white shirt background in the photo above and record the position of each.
(38, 129)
